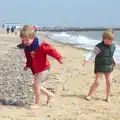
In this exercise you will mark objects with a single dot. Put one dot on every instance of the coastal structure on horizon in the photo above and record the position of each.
(62, 29)
(76, 29)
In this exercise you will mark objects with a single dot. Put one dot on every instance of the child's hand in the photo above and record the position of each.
(114, 63)
(60, 61)
(85, 62)
(25, 68)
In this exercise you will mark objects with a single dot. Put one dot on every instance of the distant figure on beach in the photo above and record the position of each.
(36, 52)
(35, 28)
(12, 29)
(8, 29)
(104, 63)
(16, 31)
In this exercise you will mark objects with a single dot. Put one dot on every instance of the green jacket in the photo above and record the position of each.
(104, 60)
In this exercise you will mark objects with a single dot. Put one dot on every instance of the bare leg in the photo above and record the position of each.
(47, 93)
(38, 79)
(37, 92)
(108, 77)
(94, 85)
(43, 89)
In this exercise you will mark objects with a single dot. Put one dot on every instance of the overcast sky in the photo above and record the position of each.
(81, 13)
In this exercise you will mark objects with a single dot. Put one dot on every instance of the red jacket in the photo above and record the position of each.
(37, 60)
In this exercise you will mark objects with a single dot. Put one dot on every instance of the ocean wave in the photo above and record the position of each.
(82, 42)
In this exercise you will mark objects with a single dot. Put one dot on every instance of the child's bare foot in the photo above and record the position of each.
(36, 106)
(49, 98)
(108, 99)
(88, 98)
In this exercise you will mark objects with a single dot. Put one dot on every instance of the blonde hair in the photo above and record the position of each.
(108, 34)
(27, 32)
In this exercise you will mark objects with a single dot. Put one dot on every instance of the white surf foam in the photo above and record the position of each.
(82, 42)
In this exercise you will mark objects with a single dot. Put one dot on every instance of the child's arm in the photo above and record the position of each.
(92, 54)
(27, 60)
(114, 60)
(49, 50)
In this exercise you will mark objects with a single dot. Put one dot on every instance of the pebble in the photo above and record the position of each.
(14, 82)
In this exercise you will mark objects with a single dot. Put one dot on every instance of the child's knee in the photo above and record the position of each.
(108, 82)
(96, 83)
(36, 84)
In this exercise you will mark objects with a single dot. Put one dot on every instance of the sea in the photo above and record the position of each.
(85, 40)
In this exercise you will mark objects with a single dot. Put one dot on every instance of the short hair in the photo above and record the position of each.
(108, 34)
(27, 32)
(25, 27)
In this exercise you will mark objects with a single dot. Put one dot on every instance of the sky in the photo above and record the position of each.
(77, 13)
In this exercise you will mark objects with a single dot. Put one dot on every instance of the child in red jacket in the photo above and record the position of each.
(36, 52)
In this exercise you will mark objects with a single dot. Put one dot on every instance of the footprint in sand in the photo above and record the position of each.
(6, 118)
(20, 119)
(29, 114)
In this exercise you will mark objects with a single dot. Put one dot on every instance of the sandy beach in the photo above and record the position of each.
(70, 82)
